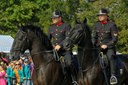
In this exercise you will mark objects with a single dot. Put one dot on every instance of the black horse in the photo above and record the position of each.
(47, 70)
(90, 72)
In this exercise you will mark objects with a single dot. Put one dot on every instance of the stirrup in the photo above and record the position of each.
(74, 83)
(113, 80)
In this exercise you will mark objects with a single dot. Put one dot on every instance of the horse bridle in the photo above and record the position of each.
(40, 52)
(28, 41)
(20, 49)
(84, 49)
(73, 40)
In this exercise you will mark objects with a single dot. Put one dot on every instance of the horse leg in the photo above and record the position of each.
(94, 76)
(37, 77)
(80, 81)
(42, 76)
(34, 78)
(80, 78)
(84, 81)
(54, 74)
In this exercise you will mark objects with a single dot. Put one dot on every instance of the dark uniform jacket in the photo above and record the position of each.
(58, 33)
(105, 34)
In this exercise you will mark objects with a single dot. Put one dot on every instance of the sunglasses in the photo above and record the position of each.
(17, 64)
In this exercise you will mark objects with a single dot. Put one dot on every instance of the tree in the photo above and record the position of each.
(15, 13)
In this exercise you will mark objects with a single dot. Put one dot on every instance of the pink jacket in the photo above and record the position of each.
(2, 78)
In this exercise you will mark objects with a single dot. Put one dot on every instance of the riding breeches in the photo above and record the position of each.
(111, 55)
(68, 58)
(69, 67)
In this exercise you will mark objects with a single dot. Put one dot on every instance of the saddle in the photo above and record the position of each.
(67, 70)
(105, 63)
(119, 65)
(61, 59)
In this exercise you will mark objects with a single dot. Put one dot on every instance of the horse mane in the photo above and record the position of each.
(39, 33)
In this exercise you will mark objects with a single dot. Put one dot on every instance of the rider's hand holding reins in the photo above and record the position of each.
(57, 47)
(103, 46)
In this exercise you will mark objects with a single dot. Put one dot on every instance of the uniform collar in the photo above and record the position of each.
(104, 22)
(59, 23)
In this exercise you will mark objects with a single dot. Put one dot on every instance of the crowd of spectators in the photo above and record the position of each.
(18, 72)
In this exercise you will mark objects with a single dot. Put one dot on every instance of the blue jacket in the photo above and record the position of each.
(26, 71)
(10, 74)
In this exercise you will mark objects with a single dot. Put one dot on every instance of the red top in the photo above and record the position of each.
(104, 22)
(59, 23)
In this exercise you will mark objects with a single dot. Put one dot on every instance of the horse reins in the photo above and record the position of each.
(49, 51)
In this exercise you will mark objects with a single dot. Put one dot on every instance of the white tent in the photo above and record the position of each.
(6, 42)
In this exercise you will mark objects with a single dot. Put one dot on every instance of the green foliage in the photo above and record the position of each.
(15, 13)
(123, 41)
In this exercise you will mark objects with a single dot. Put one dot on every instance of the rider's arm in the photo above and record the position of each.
(114, 35)
(67, 30)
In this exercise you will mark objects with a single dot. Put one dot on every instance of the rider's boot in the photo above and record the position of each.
(74, 82)
(73, 76)
(113, 78)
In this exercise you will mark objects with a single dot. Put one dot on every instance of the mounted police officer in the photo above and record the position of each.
(105, 38)
(57, 33)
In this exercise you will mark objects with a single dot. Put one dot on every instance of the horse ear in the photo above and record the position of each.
(85, 20)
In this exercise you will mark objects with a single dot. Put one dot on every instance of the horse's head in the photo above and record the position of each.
(75, 37)
(32, 38)
(19, 44)
(79, 35)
